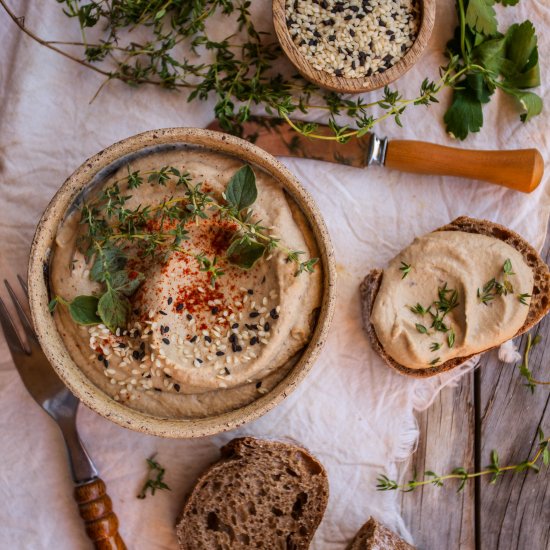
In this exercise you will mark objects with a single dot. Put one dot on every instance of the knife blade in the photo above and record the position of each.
(520, 169)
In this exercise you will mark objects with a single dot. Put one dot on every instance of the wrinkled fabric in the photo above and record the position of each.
(352, 412)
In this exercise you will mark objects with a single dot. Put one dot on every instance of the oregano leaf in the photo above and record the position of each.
(114, 309)
(241, 190)
(83, 310)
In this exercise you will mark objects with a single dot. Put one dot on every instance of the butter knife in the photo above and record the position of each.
(519, 169)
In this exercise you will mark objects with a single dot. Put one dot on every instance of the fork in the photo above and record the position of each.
(52, 395)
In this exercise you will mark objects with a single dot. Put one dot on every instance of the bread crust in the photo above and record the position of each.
(375, 536)
(538, 307)
(234, 451)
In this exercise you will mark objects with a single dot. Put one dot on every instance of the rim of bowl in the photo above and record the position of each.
(51, 340)
(354, 85)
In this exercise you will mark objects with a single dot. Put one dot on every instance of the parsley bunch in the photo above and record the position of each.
(487, 60)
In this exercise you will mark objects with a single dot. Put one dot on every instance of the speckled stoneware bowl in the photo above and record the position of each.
(39, 292)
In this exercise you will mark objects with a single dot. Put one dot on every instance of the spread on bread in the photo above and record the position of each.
(450, 294)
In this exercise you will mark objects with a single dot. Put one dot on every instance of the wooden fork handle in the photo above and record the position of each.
(521, 169)
(96, 509)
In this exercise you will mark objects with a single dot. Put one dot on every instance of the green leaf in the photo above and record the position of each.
(126, 282)
(52, 305)
(114, 309)
(241, 190)
(83, 310)
(107, 261)
(508, 2)
(491, 54)
(421, 328)
(464, 115)
(245, 254)
(521, 41)
(477, 85)
(530, 102)
(481, 16)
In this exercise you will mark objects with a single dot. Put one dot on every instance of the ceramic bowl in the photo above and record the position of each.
(39, 292)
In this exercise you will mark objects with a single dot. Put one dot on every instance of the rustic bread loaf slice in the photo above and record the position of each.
(538, 307)
(260, 494)
(375, 536)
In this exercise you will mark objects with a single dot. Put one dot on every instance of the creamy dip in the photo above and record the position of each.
(450, 261)
(191, 349)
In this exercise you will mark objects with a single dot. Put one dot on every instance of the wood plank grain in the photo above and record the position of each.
(439, 517)
(515, 512)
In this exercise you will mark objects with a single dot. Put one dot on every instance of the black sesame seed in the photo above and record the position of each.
(189, 317)
(166, 329)
(177, 387)
(194, 339)
(351, 32)
(232, 338)
(250, 291)
(208, 339)
(354, 8)
(199, 359)
(167, 375)
(238, 348)
(162, 329)
(179, 307)
(170, 300)
(121, 345)
(220, 353)
(317, 34)
(259, 384)
(254, 314)
(147, 375)
(328, 21)
(381, 23)
(100, 357)
(215, 310)
(141, 356)
(235, 325)
(163, 312)
(253, 341)
(227, 371)
(142, 346)
(312, 42)
(348, 17)
(135, 354)
(332, 38)
(273, 314)
(157, 389)
(106, 363)
(302, 43)
(353, 64)
(166, 341)
(266, 327)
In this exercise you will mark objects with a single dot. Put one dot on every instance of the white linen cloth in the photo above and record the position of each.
(352, 412)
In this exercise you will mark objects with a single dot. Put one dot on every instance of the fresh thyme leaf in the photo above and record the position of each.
(523, 298)
(507, 267)
(155, 478)
(435, 346)
(209, 266)
(434, 362)
(306, 267)
(83, 310)
(405, 269)
(241, 190)
(421, 328)
(418, 309)
(451, 338)
(113, 309)
(524, 369)
(245, 254)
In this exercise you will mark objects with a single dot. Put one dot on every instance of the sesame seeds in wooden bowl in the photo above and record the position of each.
(356, 45)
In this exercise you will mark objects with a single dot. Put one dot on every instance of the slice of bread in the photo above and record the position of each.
(260, 494)
(538, 307)
(375, 536)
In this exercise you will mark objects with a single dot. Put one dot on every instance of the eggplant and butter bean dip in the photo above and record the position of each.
(192, 349)
(354, 38)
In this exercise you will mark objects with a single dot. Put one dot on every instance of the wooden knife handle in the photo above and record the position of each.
(521, 169)
(96, 509)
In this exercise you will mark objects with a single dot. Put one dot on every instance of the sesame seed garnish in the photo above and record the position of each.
(166, 341)
(194, 339)
(208, 339)
(170, 300)
(254, 314)
(274, 314)
(162, 312)
(220, 353)
(189, 317)
(100, 357)
(250, 291)
(215, 310)
(177, 387)
(235, 325)
(266, 327)
(179, 307)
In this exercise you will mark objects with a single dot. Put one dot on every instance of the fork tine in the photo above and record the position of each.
(14, 342)
(24, 286)
(27, 325)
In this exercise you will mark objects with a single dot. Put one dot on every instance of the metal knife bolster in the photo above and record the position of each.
(376, 154)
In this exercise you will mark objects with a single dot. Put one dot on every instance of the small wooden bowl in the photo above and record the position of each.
(51, 339)
(354, 85)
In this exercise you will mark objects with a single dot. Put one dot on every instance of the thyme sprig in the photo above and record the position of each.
(240, 70)
(495, 287)
(155, 478)
(462, 475)
(524, 369)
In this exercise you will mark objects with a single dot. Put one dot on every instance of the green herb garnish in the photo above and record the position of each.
(155, 481)
(494, 469)
(405, 269)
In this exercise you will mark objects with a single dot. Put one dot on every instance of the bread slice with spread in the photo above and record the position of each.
(260, 494)
(463, 289)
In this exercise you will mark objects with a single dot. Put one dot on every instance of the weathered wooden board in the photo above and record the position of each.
(438, 517)
(490, 409)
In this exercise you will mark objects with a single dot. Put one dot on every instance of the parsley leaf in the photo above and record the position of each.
(464, 115)
(481, 16)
